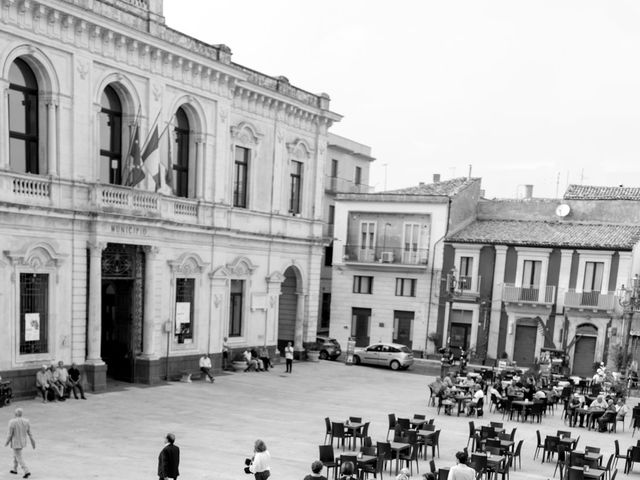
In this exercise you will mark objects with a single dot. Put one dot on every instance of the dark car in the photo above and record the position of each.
(329, 348)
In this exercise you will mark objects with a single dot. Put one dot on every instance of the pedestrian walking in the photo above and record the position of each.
(169, 459)
(19, 430)
(288, 355)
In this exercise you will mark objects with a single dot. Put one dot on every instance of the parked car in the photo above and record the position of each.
(329, 348)
(391, 355)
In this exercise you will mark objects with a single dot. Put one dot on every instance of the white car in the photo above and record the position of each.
(392, 355)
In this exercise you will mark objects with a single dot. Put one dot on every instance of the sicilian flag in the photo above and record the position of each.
(151, 153)
(135, 174)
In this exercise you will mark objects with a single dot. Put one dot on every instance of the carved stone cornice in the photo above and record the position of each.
(36, 257)
(187, 264)
(245, 133)
(240, 267)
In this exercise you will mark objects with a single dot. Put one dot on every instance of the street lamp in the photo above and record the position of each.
(629, 300)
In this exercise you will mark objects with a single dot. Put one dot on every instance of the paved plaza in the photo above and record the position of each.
(118, 434)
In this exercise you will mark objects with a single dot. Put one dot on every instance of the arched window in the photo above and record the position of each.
(110, 137)
(181, 167)
(23, 118)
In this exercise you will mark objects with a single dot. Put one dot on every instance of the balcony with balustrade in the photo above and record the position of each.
(531, 296)
(35, 191)
(344, 185)
(386, 256)
(590, 301)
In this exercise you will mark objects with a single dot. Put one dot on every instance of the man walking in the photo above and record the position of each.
(19, 430)
(169, 459)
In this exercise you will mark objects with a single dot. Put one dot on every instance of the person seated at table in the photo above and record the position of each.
(447, 381)
(540, 395)
(496, 395)
(598, 377)
(621, 409)
(461, 471)
(529, 388)
(576, 402)
(468, 381)
(473, 403)
(608, 416)
(596, 409)
(316, 468)
(348, 469)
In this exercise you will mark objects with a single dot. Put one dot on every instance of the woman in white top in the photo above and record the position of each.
(260, 465)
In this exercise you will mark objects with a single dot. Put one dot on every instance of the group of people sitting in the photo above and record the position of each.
(57, 383)
(602, 410)
(446, 388)
(257, 361)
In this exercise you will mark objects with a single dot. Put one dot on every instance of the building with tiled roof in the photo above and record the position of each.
(446, 188)
(534, 274)
(590, 192)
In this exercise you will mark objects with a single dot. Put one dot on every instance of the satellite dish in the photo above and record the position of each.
(563, 210)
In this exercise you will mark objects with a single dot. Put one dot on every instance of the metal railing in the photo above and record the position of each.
(345, 185)
(590, 300)
(386, 255)
(511, 293)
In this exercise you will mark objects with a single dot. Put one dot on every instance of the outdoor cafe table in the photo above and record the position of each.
(353, 428)
(461, 399)
(397, 448)
(498, 430)
(523, 403)
(568, 442)
(418, 422)
(591, 473)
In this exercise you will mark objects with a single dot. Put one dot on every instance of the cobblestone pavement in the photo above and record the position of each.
(118, 434)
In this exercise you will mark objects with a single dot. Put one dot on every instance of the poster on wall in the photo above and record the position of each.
(183, 316)
(31, 327)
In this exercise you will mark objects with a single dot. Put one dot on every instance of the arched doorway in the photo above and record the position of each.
(288, 308)
(584, 350)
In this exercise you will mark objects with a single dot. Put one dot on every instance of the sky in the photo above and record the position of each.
(519, 92)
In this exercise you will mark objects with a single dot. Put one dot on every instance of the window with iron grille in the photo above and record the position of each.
(405, 287)
(34, 312)
(235, 308)
(362, 284)
(185, 293)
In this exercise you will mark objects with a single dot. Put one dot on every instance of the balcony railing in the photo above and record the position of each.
(544, 295)
(344, 185)
(386, 255)
(464, 284)
(590, 300)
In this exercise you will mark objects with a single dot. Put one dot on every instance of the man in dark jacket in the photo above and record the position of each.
(169, 459)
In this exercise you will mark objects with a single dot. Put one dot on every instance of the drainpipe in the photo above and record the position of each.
(433, 260)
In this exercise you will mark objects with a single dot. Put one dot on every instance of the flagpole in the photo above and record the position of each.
(132, 132)
(155, 122)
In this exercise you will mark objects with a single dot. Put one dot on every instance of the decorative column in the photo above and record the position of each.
(94, 325)
(496, 300)
(299, 331)
(274, 289)
(95, 368)
(199, 166)
(52, 130)
(148, 327)
(4, 125)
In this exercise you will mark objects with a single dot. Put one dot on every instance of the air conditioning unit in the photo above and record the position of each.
(387, 257)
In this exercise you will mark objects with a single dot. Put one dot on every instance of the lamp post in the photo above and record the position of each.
(629, 300)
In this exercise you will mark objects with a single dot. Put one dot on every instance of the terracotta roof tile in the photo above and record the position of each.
(549, 234)
(590, 192)
(445, 188)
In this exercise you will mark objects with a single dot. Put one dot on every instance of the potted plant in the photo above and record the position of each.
(238, 362)
(313, 352)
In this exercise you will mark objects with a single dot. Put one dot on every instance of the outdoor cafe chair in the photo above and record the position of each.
(443, 473)
(576, 459)
(338, 432)
(618, 454)
(355, 419)
(561, 460)
(411, 457)
(591, 449)
(327, 432)
(633, 457)
(374, 468)
(432, 466)
(575, 474)
(501, 469)
(472, 433)
(434, 442)
(392, 424)
(430, 427)
(404, 423)
(350, 457)
(609, 465)
(362, 433)
(614, 424)
(492, 442)
(550, 447)
(479, 464)
(384, 451)
(516, 455)
(534, 411)
(563, 434)
(496, 424)
(368, 450)
(328, 459)
(615, 472)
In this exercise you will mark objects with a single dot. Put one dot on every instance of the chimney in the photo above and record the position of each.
(528, 192)
(436, 177)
